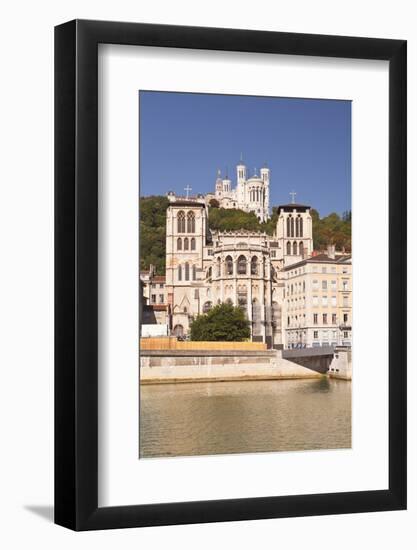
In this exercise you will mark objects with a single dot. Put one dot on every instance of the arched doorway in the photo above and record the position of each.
(178, 330)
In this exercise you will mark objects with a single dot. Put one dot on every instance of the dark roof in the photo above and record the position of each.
(187, 203)
(158, 278)
(290, 207)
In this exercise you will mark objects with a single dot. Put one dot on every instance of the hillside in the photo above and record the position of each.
(330, 229)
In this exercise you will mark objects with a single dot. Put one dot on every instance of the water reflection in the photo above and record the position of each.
(238, 417)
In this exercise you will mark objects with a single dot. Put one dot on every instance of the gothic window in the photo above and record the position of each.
(301, 249)
(207, 307)
(190, 222)
(209, 271)
(254, 266)
(181, 222)
(178, 330)
(288, 247)
(297, 226)
(187, 271)
(179, 243)
(180, 273)
(242, 297)
(241, 265)
(229, 265)
(301, 227)
(292, 227)
(289, 226)
(294, 248)
(218, 267)
(186, 243)
(193, 244)
(194, 273)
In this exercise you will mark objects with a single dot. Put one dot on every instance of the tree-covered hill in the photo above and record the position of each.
(152, 232)
(331, 229)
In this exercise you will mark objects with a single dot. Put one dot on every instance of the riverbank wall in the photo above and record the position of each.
(170, 366)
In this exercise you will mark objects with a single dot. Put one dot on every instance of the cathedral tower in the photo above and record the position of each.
(295, 232)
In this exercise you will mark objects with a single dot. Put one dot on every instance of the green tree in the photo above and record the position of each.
(152, 232)
(222, 323)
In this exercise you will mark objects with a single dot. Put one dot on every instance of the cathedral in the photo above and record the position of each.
(276, 279)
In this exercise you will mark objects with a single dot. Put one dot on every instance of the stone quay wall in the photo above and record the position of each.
(168, 366)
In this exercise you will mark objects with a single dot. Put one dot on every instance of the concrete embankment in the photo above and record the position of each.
(168, 366)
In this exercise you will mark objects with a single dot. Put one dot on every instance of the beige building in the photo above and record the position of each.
(318, 301)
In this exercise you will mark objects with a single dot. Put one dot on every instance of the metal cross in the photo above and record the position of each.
(293, 194)
(187, 189)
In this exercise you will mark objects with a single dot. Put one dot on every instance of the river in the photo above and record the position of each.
(209, 418)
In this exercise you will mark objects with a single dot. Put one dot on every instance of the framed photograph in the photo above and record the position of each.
(230, 284)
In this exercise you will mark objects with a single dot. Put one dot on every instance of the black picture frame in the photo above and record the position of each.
(76, 272)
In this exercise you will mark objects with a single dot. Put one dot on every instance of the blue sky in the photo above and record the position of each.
(185, 138)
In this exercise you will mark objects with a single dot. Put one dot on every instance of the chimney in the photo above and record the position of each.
(331, 249)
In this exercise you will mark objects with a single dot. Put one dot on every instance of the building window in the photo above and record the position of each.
(345, 285)
(301, 227)
(161, 285)
(186, 243)
(294, 248)
(179, 273)
(334, 303)
(153, 298)
(153, 285)
(334, 319)
(297, 226)
(315, 300)
(181, 222)
(190, 222)
(273, 253)
(288, 248)
(292, 227)
(210, 252)
(288, 321)
(345, 317)
(187, 271)
(161, 298)
(241, 265)
(324, 318)
(315, 284)
(324, 285)
(209, 272)
(304, 286)
(207, 307)
(193, 244)
(324, 269)
(194, 273)
(179, 243)
(301, 249)
(229, 265)
(324, 301)
(334, 285)
(315, 318)
(345, 335)
(196, 294)
(218, 267)
(345, 301)
(254, 266)
(315, 334)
